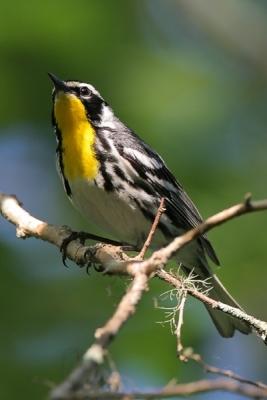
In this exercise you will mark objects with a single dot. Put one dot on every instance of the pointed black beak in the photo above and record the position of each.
(58, 84)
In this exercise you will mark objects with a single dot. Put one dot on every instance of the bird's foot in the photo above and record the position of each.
(82, 237)
(72, 236)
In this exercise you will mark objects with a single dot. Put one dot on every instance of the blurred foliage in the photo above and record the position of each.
(194, 94)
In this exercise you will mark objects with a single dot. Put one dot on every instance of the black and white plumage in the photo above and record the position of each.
(124, 194)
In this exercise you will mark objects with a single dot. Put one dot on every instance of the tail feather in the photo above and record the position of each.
(225, 324)
(193, 260)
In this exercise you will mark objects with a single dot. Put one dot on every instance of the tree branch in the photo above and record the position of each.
(115, 261)
(109, 256)
(96, 353)
(178, 390)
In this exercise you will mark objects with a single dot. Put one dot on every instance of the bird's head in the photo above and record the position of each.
(74, 101)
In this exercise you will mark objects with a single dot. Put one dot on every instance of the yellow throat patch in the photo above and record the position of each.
(78, 138)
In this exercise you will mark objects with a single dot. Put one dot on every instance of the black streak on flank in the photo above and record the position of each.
(108, 185)
(106, 153)
(105, 157)
(104, 142)
(118, 171)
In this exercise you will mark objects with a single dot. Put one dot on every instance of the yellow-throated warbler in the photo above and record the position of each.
(117, 181)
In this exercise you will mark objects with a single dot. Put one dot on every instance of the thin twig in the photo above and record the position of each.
(227, 373)
(152, 231)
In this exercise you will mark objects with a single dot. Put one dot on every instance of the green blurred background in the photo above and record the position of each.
(190, 77)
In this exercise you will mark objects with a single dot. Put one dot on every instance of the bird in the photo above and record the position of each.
(116, 181)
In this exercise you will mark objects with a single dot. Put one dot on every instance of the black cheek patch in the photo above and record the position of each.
(93, 107)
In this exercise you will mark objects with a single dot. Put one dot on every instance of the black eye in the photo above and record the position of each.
(85, 91)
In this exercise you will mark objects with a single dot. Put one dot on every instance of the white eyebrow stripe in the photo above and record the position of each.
(80, 84)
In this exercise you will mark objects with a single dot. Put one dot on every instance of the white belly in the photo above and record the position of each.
(117, 218)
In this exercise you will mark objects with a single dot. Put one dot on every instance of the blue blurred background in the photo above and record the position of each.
(190, 77)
